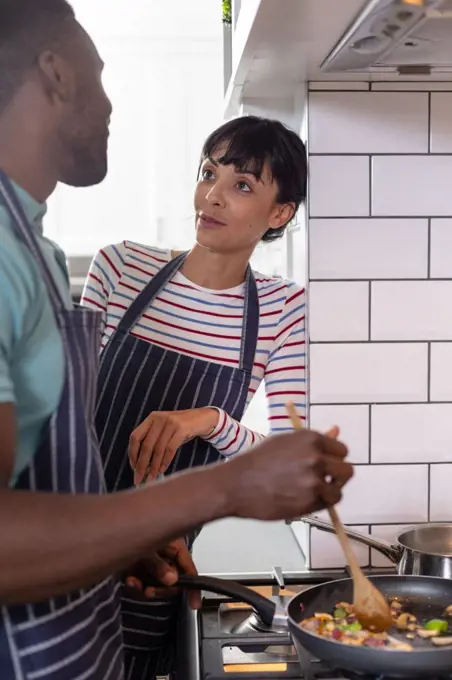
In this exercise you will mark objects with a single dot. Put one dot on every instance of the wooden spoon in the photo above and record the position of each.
(369, 605)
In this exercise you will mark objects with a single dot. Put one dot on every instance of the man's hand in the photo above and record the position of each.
(286, 476)
(155, 442)
(165, 565)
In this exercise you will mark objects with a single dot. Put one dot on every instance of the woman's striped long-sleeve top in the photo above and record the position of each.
(207, 324)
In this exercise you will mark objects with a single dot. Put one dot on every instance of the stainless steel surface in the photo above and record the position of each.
(188, 645)
(424, 550)
(254, 623)
(279, 576)
(277, 653)
(432, 539)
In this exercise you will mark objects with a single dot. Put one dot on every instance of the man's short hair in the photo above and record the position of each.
(27, 28)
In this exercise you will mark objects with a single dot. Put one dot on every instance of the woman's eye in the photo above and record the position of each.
(243, 186)
(207, 174)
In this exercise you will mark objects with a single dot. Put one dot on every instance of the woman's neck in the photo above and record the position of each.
(218, 271)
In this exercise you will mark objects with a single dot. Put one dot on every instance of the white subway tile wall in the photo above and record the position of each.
(339, 310)
(354, 427)
(380, 272)
(440, 248)
(339, 186)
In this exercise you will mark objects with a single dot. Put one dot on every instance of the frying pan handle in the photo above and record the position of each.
(385, 548)
(263, 607)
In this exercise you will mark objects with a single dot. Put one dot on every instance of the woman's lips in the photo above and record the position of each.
(210, 222)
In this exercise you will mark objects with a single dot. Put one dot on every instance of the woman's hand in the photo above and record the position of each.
(155, 442)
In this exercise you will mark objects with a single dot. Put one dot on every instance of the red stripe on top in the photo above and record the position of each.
(278, 311)
(284, 392)
(117, 304)
(139, 269)
(105, 256)
(231, 443)
(223, 423)
(187, 351)
(129, 287)
(96, 304)
(286, 368)
(146, 254)
(272, 292)
(285, 417)
(191, 330)
(287, 328)
(201, 311)
(299, 293)
(294, 344)
(99, 281)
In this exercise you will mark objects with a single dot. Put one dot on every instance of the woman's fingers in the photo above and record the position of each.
(136, 438)
(146, 449)
(161, 449)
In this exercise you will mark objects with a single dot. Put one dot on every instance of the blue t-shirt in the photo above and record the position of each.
(31, 352)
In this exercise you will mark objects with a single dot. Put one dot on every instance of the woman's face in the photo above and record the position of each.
(234, 209)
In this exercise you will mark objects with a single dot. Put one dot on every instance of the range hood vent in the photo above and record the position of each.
(396, 35)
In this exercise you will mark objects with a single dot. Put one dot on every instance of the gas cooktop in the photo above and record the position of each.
(226, 640)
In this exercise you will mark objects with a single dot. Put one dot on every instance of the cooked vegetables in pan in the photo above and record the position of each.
(343, 626)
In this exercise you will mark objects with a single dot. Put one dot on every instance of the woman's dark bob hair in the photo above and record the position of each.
(249, 143)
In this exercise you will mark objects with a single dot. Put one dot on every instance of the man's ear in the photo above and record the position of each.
(57, 75)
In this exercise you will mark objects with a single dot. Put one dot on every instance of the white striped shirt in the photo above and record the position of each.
(207, 325)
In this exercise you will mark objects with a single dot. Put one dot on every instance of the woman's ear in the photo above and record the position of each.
(282, 214)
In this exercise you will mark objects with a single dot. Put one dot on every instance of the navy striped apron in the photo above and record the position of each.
(136, 378)
(76, 636)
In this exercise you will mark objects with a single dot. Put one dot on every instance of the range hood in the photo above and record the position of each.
(411, 37)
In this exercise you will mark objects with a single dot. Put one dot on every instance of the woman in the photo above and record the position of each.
(187, 339)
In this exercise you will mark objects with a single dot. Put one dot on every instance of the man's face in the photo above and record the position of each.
(84, 119)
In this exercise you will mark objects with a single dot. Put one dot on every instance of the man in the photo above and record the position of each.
(61, 537)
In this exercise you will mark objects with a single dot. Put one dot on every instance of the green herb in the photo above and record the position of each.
(227, 11)
(437, 625)
(340, 613)
(351, 627)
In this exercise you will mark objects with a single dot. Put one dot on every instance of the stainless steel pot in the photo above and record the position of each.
(424, 550)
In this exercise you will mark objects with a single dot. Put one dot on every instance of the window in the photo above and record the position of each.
(164, 75)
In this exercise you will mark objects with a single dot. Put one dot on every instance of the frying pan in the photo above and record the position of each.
(424, 596)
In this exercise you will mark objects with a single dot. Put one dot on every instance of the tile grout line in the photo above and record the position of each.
(388, 279)
(380, 342)
(365, 216)
(382, 403)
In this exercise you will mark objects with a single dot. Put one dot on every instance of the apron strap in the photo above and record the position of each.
(25, 233)
(139, 306)
(251, 316)
(250, 312)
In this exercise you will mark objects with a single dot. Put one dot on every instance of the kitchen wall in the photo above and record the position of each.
(380, 271)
